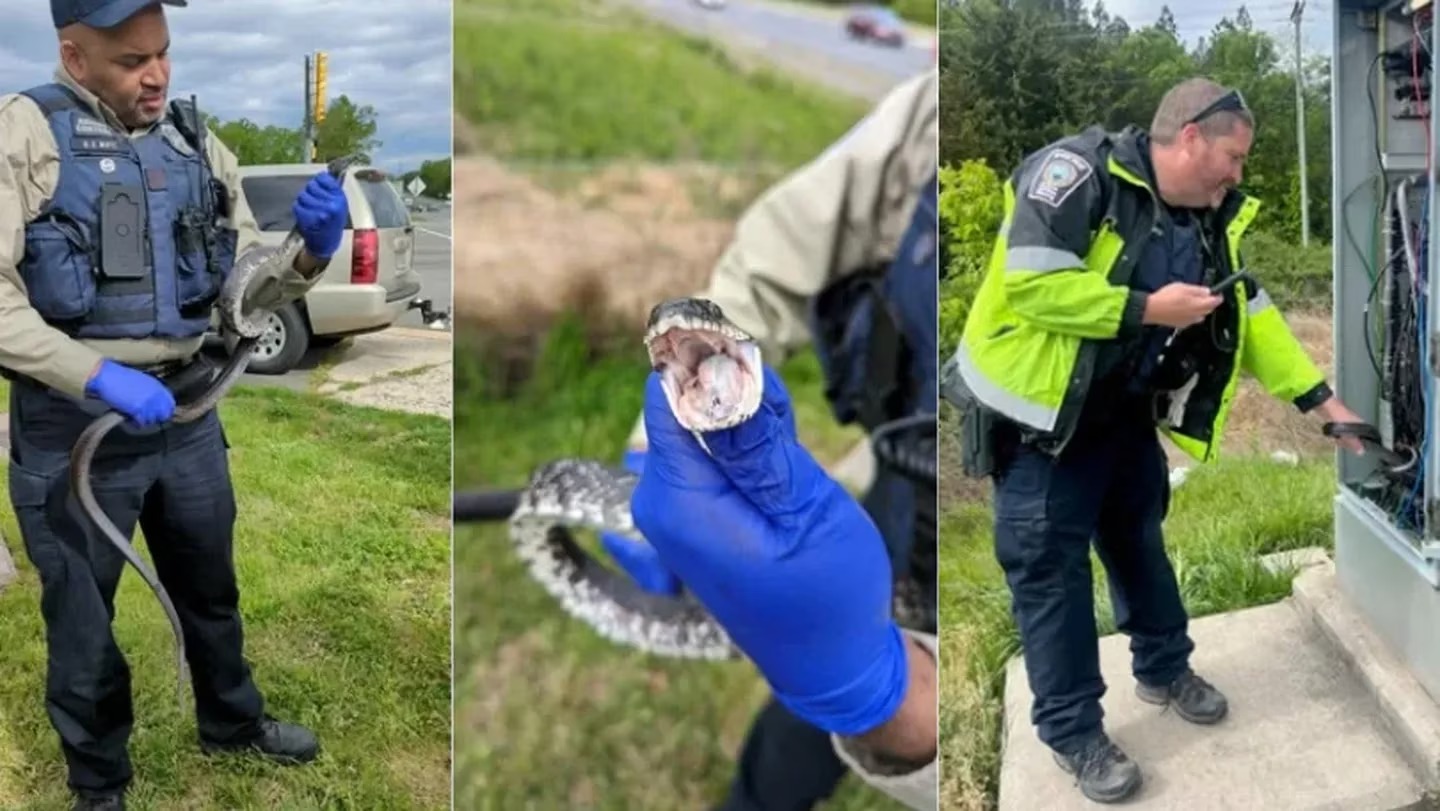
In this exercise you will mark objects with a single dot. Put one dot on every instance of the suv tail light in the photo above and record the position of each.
(365, 256)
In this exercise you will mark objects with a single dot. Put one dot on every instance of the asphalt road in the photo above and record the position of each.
(805, 41)
(432, 261)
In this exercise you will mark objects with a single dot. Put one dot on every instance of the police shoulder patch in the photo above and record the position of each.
(1061, 173)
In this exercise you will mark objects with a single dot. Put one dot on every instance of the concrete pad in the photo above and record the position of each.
(389, 352)
(1301, 733)
(400, 368)
(1403, 704)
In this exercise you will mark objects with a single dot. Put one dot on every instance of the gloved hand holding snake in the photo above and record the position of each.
(713, 380)
(249, 294)
(782, 556)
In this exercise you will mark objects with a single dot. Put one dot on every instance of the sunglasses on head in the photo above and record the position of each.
(1231, 102)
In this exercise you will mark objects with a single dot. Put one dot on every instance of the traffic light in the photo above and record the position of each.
(319, 113)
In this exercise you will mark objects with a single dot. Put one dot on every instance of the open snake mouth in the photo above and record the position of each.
(710, 369)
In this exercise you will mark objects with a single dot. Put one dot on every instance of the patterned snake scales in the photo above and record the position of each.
(259, 263)
(712, 378)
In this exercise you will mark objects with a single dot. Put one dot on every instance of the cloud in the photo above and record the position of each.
(246, 58)
(1198, 19)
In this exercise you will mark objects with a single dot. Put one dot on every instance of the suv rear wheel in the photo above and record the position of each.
(283, 343)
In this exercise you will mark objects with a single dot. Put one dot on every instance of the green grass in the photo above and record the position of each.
(548, 714)
(342, 550)
(1267, 508)
(588, 80)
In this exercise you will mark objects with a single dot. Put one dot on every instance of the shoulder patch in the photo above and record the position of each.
(1058, 177)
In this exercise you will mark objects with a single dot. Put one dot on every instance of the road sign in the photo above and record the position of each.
(415, 186)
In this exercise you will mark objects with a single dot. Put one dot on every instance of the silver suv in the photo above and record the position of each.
(371, 280)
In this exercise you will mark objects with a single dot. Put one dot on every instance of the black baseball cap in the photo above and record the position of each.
(101, 13)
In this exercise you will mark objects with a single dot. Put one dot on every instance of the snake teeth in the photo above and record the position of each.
(711, 369)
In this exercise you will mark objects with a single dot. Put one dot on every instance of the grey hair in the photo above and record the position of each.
(1183, 101)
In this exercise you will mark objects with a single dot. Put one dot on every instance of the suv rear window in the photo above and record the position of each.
(386, 206)
(272, 198)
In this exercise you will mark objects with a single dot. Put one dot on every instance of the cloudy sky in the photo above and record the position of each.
(392, 56)
(1196, 18)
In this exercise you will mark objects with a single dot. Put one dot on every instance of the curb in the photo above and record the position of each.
(419, 333)
(1407, 711)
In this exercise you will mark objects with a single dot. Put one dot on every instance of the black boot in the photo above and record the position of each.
(289, 744)
(1193, 698)
(1104, 773)
(100, 802)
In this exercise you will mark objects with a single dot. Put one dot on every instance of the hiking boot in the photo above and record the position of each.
(1193, 698)
(290, 744)
(100, 802)
(1104, 773)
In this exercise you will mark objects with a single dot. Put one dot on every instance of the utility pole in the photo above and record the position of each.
(1296, 15)
(308, 126)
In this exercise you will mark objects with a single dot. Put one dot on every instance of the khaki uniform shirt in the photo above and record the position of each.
(844, 212)
(29, 173)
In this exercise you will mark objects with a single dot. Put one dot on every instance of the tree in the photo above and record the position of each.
(1018, 74)
(257, 145)
(436, 177)
(348, 129)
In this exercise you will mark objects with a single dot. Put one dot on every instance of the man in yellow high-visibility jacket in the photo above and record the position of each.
(1094, 324)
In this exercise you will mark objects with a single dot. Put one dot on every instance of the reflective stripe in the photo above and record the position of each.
(998, 399)
(1260, 302)
(1043, 260)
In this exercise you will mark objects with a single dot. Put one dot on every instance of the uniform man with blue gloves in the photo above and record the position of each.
(842, 253)
(1096, 323)
(117, 229)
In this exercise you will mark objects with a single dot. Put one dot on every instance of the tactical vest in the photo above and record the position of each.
(128, 246)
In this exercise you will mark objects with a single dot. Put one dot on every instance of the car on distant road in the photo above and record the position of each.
(875, 23)
(710, 4)
(371, 280)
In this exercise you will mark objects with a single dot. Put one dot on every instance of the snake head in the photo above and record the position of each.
(710, 369)
(338, 166)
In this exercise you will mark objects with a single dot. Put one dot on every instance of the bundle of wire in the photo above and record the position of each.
(1407, 354)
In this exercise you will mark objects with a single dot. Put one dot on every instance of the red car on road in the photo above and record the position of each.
(875, 23)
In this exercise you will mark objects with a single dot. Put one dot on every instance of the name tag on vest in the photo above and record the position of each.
(109, 145)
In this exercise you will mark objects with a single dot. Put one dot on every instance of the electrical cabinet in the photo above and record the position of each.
(1387, 340)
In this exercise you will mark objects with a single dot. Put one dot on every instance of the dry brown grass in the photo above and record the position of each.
(610, 242)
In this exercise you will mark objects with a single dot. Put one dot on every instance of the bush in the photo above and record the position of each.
(1295, 277)
(972, 203)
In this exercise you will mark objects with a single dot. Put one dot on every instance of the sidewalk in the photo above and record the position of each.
(1305, 731)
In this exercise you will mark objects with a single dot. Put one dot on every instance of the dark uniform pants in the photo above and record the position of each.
(1111, 485)
(175, 482)
(787, 764)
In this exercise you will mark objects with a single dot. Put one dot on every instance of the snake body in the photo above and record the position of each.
(236, 319)
(712, 376)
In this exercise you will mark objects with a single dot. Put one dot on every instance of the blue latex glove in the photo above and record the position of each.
(786, 560)
(133, 393)
(639, 559)
(321, 212)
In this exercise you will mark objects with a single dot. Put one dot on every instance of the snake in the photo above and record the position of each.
(238, 318)
(712, 377)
